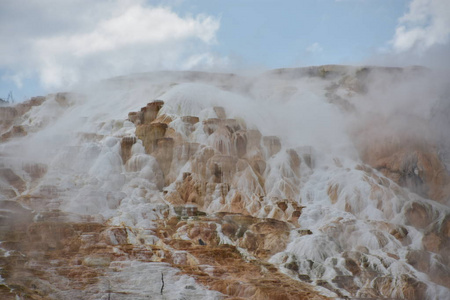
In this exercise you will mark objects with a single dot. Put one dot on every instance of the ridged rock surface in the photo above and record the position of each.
(290, 184)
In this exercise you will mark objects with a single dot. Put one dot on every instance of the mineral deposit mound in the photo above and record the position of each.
(310, 183)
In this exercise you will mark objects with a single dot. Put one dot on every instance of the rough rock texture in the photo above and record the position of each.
(10, 116)
(54, 255)
(56, 259)
(126, 144)
(409, 160)
(188, 201)
(237, 155)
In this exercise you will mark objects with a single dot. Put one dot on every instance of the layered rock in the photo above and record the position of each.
(11, 184)
(126, 144)
(10, 117)
(230, 175)
(410, 159)
(59, 259)
(186, 200)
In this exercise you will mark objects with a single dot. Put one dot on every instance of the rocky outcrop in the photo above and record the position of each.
(265, 238)
(420, 170)
(16, 131)
(7, 116)
(207, 207)
(164, 154)
(407, 158)
(228, 272)
(125, 147)
(436, 239)
(11, 184)
(150, 134)
(12, 116)
(234, 155)
(232, 151)
(272, 144)
(54, 259)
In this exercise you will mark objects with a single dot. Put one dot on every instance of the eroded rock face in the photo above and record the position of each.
(272, 144)
(232, 151)
(266, 238)
(225, 264)
(419, 215)
(63, 260)
(10, 116)
(150, 134)
(421, 171)
(14, 132)
(216, 210)
(126, 144)
(409, 160)
(12, 185)
(164, 154)
(406, 287)
(235, 159)
(436, 239)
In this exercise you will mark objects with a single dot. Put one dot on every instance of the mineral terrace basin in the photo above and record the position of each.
(225, 186)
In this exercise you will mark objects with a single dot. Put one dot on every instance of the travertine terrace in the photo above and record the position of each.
(193, 185)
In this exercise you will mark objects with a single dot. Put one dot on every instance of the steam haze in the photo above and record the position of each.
(225, 149)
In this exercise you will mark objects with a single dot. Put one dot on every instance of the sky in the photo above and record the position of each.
(51, 45)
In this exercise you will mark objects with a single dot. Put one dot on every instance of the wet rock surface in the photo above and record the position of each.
(181, 201)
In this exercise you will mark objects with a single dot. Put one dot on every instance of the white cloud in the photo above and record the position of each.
(314, 48)
(426, 24)
(65, 42)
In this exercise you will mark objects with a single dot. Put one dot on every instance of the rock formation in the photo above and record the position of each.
(191, 196)
(410, 161)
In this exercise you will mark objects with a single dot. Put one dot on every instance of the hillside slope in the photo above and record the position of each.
(308, 183)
